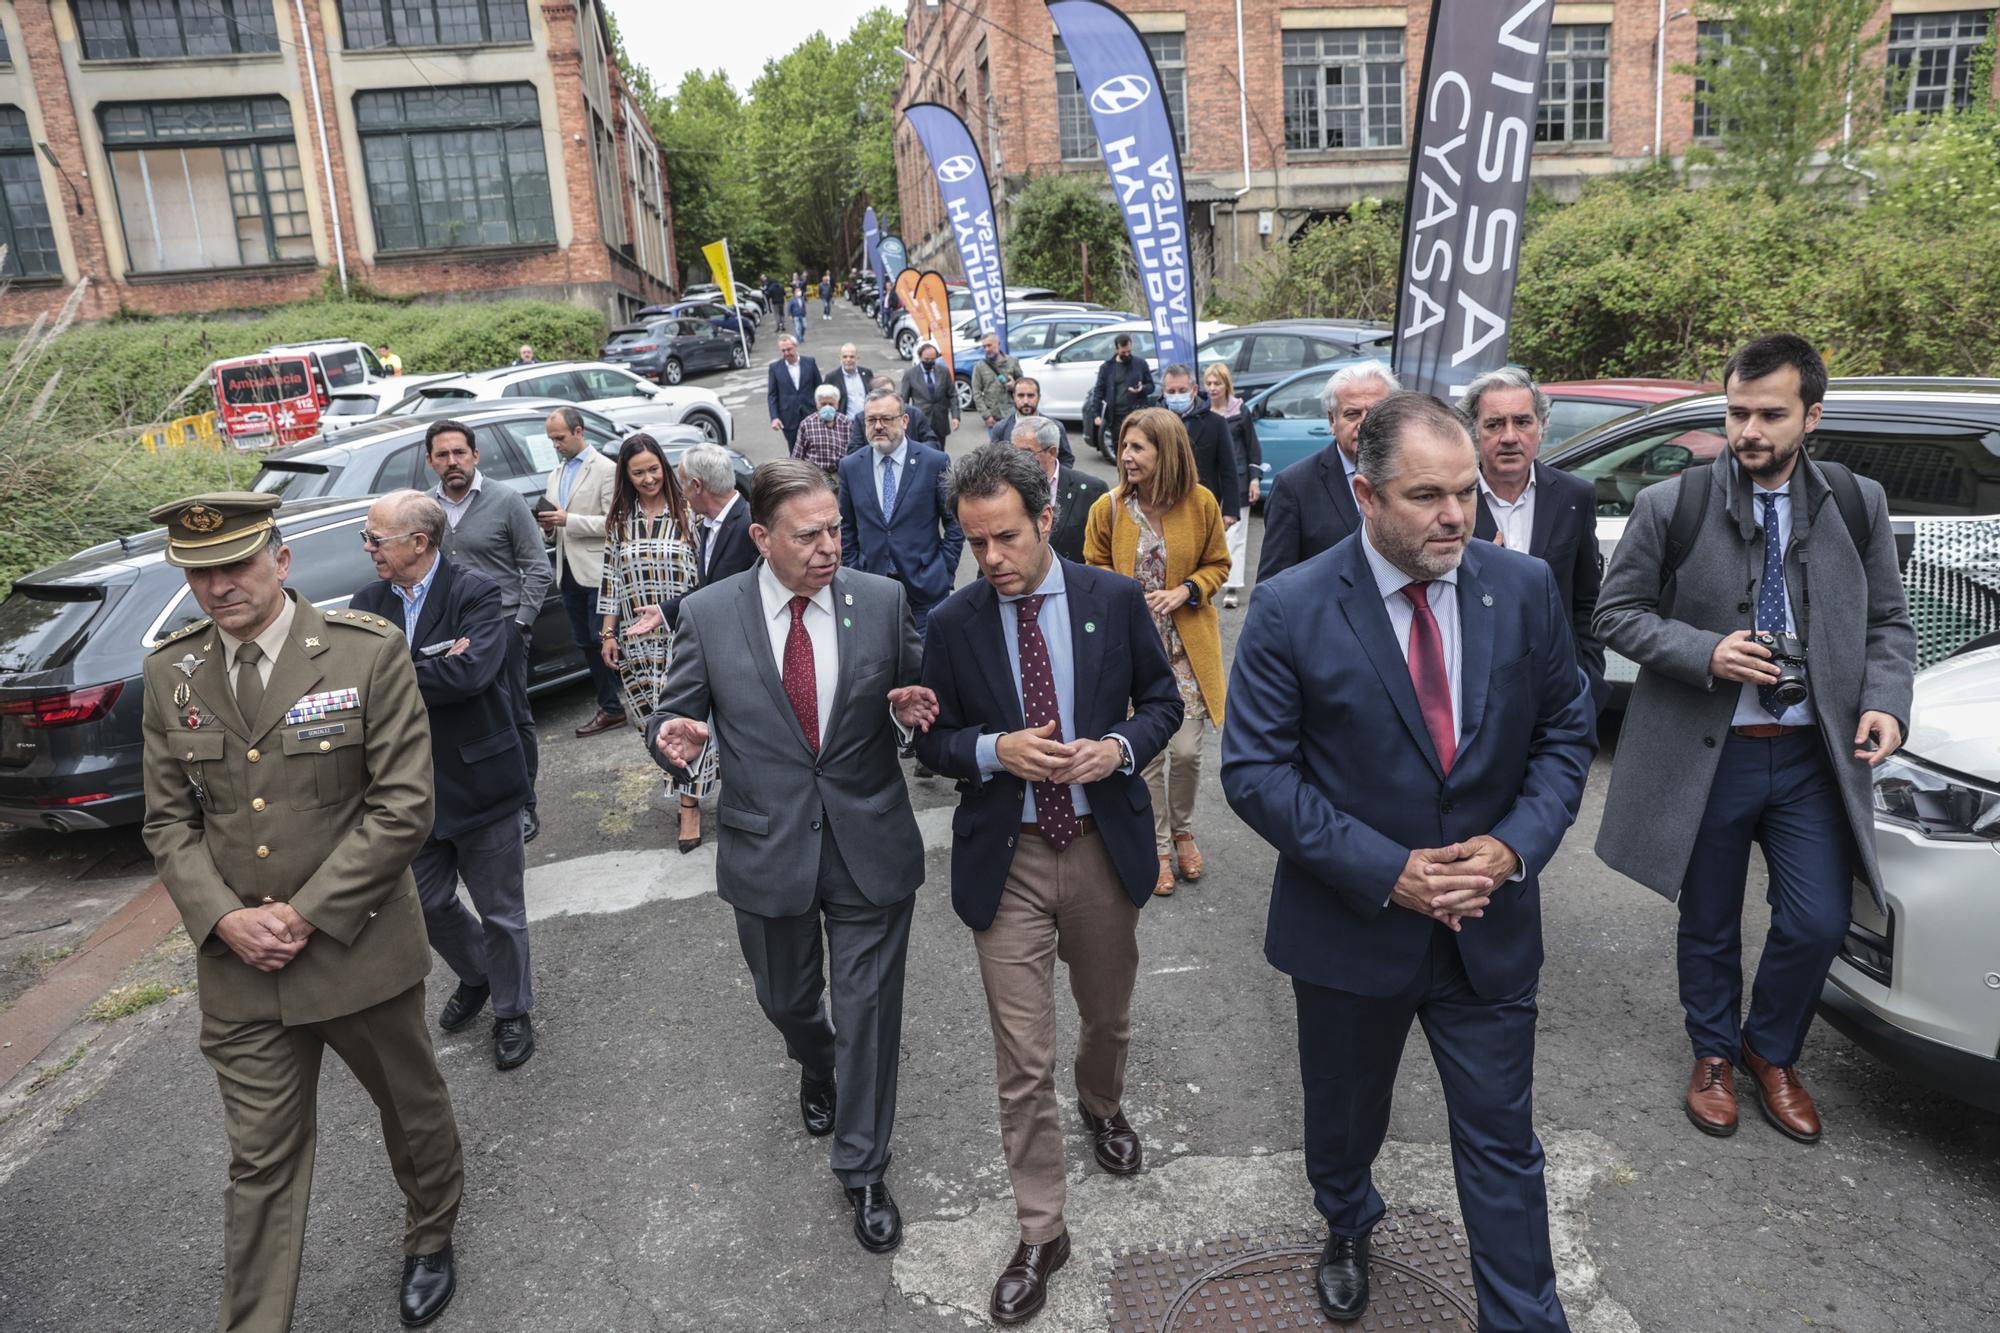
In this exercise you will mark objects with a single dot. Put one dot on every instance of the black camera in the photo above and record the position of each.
(1788, 654)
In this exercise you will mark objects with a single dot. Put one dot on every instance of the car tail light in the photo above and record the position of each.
(65, 709)
(643, 347)
(61, 802)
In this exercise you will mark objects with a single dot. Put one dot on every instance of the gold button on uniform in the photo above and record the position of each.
(263, 852)
(253, 756)
(326, 745)
(190, 754)
(257, 804)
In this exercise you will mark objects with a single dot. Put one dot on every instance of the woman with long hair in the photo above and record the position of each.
(649, 565)
(1222, 400)
(1162, 527)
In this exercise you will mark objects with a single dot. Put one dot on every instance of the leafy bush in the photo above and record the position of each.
(1345, 268)
(1049, 222)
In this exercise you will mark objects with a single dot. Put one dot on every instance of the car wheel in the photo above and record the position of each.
(710, 428)
(736, 358)
(906, 344)
(964, 386)
(670, 373)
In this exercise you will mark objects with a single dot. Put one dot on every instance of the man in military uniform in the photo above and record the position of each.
(288, 788)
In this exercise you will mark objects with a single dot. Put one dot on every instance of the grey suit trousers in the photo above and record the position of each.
(490, 949)
(862, 1044)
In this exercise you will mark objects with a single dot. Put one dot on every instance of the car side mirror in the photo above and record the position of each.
(1667, 460)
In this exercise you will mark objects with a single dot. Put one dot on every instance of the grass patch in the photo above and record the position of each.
(56, 1071)
(125, 1001)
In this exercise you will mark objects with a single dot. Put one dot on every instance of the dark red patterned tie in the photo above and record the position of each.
(1428, 674)
(801, 685)
(1055, 812)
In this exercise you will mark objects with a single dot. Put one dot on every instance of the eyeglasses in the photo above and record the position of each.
(371, 540)
(883, 421)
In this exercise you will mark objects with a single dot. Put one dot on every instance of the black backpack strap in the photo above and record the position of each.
(1690, 508)
(1853, 509)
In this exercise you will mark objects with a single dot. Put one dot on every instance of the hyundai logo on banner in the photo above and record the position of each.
(968, 207)
(1127, 92)
(1136, 137)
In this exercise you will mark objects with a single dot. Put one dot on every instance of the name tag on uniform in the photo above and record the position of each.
(313, 707)
(314, 733)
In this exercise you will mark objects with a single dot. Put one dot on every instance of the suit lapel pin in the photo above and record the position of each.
(312, 643)
(188, 665)
(846, 623)
(1486, 599)
(847, 599)
(1090, 627)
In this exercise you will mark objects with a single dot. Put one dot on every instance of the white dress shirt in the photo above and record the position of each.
(855, 393)
(792, 368)
(1749, 712)
(777, 599)
(1515, 522)
(272, 641)
(454, 510)
(712, 526)
(1442, 594)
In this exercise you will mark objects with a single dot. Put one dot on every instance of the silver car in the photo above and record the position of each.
(1919, 988)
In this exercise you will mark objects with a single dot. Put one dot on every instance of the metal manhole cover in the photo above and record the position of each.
(1419, 1277)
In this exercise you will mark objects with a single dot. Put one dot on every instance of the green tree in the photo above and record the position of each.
(704, 128)
(1791, 80)
(1049, 224)
(1343, 268)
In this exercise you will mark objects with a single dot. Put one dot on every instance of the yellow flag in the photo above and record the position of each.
(717, 255)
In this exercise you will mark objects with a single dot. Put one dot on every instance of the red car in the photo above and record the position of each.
(1576, 406)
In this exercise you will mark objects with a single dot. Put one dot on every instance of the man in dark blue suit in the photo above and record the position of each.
(1408, 727)
(893, 518)
(915, 427)
(789, 385)
(1310, 506)
(1532, 507)
(1053, 694)
(458, 633)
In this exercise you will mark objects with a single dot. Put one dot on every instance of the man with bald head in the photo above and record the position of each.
(852, 380)
(457, 628)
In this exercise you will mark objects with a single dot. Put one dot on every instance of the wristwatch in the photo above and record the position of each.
(1194, 593)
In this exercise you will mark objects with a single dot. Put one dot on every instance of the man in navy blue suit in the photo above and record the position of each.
(1309, 507)
(893, 518)
(1408, 727)
(459, 638)
(789, 385)
(1053, 694)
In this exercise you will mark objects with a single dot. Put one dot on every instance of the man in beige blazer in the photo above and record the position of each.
(573, 508)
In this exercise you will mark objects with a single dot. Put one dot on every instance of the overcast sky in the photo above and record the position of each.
(736, 36)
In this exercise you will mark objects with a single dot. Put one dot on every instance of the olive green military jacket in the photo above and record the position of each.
(322, 801)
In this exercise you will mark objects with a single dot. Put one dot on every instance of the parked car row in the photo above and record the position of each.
(609, 389)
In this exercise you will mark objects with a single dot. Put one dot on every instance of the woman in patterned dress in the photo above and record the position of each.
(1163, 528)
(649, 565)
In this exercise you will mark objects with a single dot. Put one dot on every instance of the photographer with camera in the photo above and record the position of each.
(1768, 688)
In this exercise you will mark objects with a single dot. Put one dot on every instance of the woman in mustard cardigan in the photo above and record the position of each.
(1162, 527)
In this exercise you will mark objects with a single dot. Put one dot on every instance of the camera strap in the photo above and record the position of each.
(1691, 507)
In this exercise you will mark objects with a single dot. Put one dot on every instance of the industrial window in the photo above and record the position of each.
(454, 167)
(1343, 88)
(374, 23)
(1572, 105)
(212, 184)
(1078, 141)
(1711, 46)
(1169, 52)
(1931, 59)
(6, 56)
(24, 221)
(162, 29)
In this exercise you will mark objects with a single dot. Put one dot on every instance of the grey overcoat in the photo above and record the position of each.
(1848, 606)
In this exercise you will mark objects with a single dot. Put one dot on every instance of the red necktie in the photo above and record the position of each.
(801, 686)
(1428, 674)
(1055, 811)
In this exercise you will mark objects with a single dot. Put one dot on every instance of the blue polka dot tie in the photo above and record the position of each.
(1055, 811)
(1771, 594)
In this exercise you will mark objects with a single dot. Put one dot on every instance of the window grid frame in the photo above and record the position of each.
(503, 128)
(386, 14)
(1377, 63)
(1719, 34)
(1575, 64)
(48, 266)
(235, 15)
(1913, 37)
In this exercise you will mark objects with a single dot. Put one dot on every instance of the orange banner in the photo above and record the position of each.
(932, 311)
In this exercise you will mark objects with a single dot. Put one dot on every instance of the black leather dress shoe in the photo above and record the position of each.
(1115, 1143)
(878, 1223)
(1343, 1278)
(428, 1282)
(531, 824)
(463, 1006)
(513, 1041)
(1023, 1288)
(816, 1102)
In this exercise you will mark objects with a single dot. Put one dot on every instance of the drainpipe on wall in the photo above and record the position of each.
(325, 150)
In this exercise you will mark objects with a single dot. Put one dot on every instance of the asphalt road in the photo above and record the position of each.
(647, 1169)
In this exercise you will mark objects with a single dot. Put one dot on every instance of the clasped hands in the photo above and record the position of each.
(1451, 883)
(266, 937)
(1039, 754)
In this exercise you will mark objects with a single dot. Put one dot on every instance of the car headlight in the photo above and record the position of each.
(1936, 803)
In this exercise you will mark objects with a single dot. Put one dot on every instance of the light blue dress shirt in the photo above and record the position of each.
(899, 460)
(413, 600)
(572, 468)
(1749, 711)
(1053, 619)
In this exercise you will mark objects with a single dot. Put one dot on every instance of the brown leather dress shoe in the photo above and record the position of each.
(1711, 1096)
(1783, 1098)
(1023, 1288)
(1163, 887)
(1187, 857)
(1114, 1141)
(601, 723)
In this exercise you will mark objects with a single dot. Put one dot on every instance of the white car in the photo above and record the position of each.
(1068, 373)
(1919, 987)
(610, 390)
(347, 408)
(903, 332)
(752, 299)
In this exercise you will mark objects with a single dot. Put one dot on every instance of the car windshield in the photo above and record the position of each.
(1619, 468)
(352, 405)
(42, 626)
(296, 481)
(1572, 417)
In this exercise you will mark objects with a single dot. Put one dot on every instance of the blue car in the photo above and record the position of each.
(1028, 337)
(1290, 417)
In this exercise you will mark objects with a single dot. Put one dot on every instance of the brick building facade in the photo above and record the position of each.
(1316, 107)
(194, 155)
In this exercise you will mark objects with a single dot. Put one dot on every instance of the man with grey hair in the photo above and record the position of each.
(1054, 851)
(1071, 490)
(1533, 508)
(1408, 729)
(1310, 506)
(822, 437)
(893, 519)
(788, 388)
(724, 548)
(457, 629)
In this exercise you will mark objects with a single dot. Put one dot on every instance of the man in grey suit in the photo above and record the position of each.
(815, 824)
